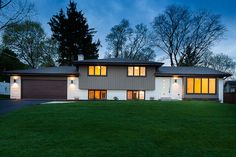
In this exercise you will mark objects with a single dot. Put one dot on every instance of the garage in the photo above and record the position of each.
(44, 87)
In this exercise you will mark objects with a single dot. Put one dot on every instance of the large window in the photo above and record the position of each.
(97, 70)
(136, 71)
(135, 95)
(201, 86)
(97, 94)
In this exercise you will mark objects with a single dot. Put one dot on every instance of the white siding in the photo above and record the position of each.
(73, 91)
(120, 94)
(221, 90)
(15, 87)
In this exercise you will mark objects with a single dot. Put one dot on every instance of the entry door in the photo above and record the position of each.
(176, 88)
(166, 88)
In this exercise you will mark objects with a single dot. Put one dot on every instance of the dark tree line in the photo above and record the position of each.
(73, 34)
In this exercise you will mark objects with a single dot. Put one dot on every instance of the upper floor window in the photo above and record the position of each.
(136, 71)
(97, 70)
(201, 86)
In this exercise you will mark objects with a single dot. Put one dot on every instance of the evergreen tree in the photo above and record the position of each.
(73, 35)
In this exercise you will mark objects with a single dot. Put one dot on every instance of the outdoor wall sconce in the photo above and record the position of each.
(175, 80)
(71, 81)
(14, 80)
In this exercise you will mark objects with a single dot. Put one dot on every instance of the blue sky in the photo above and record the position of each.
(103, 14)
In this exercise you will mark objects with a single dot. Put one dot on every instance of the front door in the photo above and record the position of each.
(166, 88)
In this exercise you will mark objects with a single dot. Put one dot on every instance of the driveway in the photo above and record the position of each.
(12, 105)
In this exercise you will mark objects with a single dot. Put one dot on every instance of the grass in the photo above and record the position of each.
(4, 96)
(115, 129)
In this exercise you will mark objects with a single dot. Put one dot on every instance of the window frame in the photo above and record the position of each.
(201, 93)
(94, 75)
(138, 94)
(94, 90)
(133, 66)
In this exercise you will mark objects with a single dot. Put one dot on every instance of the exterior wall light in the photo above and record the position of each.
(175, 80)
(14, 80)
(71, 81)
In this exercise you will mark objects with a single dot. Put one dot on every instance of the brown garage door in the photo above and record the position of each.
(44, 88)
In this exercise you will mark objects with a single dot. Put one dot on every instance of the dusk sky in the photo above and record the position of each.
(103, 14)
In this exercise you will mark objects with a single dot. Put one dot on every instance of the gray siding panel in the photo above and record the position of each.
(198, 96)
(117, 79)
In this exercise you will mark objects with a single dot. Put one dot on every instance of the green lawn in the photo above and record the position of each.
(120, 129)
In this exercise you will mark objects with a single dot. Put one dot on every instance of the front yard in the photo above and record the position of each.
(110, 128)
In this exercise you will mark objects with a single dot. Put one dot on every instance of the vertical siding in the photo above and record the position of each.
(117, 79)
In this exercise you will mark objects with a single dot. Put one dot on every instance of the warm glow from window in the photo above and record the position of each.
(91, 70)
(97, 71)
(97, 94)
(135, 95)
(91, 95)
(212, 86)
(103, 70)
(201, 85)
(197, 85)
(136, 71)
(130, 71)
(141, 95)
(142, 71)
(204, 85)
(189, 85)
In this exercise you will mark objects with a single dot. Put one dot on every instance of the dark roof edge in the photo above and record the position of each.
(185, 75)
(39, 74)
(117, 63)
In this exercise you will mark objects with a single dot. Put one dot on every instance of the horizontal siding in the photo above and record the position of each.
(117, 79)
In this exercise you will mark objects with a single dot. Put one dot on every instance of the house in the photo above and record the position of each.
(230, 86)
(119, 79)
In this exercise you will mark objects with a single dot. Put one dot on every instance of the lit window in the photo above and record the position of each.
(197, 85)
(189, 85)
(97, 94)
(91, 70)
(91, 94)
(135, 95)
(212, 86)
(142, 71)
(97, 71)
(204, 85)
(130, 71)
(201, 86)
(136, 71)
(141, 95)
(103, 70)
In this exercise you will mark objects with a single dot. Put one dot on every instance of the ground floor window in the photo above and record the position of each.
(135, 94)
(97, 94)
(201, 86)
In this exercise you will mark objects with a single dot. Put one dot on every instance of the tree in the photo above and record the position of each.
(9, 61)
(14, 11)
(73, 35)
(221, 62)
(126, 42)
(27, 40)
(182, 33)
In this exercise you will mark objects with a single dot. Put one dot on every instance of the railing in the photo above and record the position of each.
(230, 98)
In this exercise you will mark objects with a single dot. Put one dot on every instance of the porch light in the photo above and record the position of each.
(175, 80)
(71, 81)
(14, 80)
